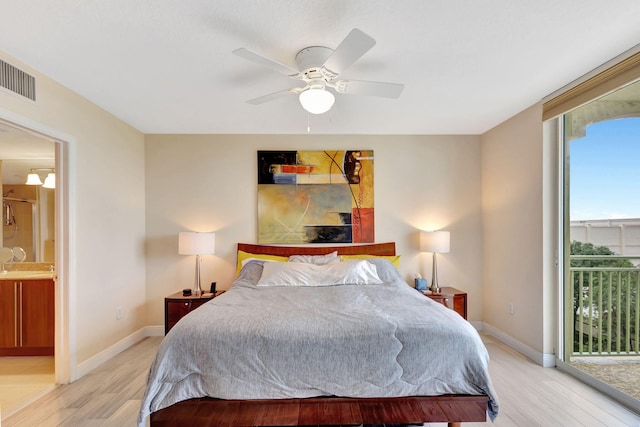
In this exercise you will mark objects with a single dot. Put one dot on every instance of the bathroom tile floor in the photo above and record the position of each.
(22, 380)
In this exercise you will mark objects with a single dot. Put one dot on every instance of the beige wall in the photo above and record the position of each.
(208, 183)
(106, 173)
(132, 194)
(517, 198)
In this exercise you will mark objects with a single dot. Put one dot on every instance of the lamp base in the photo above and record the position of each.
(197, 289)
(434, 276)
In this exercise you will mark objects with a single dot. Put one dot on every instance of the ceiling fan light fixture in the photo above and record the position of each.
(317, 101)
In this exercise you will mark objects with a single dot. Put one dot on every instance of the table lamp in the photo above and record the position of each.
(193, 243)
(437, 242)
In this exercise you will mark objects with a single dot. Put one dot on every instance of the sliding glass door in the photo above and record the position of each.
(602, 239)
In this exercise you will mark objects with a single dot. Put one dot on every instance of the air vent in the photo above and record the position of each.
(17, 81)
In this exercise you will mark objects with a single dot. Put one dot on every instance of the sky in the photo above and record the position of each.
(605, 171)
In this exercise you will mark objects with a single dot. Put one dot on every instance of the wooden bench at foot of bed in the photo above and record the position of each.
(315, 411)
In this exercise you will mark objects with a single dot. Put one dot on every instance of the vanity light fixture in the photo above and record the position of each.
(50, 181)
(34, 179)
(438, 242)
(193, 243)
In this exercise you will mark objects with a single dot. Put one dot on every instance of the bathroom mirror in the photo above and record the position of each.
(28, 211)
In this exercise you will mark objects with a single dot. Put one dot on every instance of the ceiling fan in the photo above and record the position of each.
(318, 68)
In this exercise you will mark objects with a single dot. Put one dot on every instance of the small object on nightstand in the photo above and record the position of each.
(213, 288)
(186, 292)
(421, 284)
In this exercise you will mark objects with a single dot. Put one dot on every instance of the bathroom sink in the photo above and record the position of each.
(10, 275)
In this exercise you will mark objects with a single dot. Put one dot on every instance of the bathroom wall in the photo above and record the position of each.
(21, 232)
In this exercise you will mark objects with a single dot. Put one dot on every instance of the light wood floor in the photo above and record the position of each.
(529, 395)
(22, 379)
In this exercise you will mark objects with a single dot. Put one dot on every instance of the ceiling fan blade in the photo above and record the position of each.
(275, 95)
(360, 87)
(349, 51)
(267, 62)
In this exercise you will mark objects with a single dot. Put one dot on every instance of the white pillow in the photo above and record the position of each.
(316, 259)
(356, 272)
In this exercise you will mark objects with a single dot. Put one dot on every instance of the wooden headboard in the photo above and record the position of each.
(386, 249)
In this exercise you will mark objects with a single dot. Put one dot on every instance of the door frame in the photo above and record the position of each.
(65, 297)
(564, 340)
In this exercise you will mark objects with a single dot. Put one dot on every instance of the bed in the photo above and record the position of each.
(369, 351)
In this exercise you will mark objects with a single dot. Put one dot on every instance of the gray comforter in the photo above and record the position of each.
(290, 342)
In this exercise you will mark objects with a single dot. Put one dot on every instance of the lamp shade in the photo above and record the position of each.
(33, 179)
(435, 241)
(193, 243)
(316, 101)
(50, 181)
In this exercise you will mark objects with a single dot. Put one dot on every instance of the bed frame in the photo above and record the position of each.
(330, 410)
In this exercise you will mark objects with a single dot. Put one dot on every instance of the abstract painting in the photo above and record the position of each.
(315, 196)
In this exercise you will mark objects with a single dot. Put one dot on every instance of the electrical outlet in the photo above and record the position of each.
(118, 313)
(511, 308)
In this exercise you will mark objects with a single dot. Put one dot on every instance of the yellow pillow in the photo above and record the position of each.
(395, 259)
(244, 256)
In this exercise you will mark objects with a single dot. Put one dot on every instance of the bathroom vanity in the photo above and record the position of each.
(27, 307)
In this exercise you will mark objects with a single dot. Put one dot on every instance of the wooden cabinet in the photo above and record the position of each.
(177, 306)
(27, 317)
(8, 314)
(453, 298)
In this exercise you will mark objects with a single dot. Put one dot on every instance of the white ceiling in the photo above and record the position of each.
(166, 66)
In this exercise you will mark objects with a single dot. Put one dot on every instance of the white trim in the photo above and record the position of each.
(154, 331)
(543, 359)
(115, 349)
(560, 236)
(478, 325)
(35, 127)
(65, 310)
(65, 257)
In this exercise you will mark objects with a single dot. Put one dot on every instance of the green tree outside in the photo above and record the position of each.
(605, 291)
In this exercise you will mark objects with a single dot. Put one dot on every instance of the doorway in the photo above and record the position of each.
(601, 144)
(30, 223)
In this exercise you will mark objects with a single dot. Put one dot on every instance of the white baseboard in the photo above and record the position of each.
(111, 351)
(154, 331)
(478, 325)
(543, 359)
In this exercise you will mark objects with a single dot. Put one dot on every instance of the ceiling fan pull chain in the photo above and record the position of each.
(308, 122)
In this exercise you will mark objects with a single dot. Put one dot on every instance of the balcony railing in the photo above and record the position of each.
(606, 305)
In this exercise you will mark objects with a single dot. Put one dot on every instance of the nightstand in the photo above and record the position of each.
(176, 306)
(453, 298)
